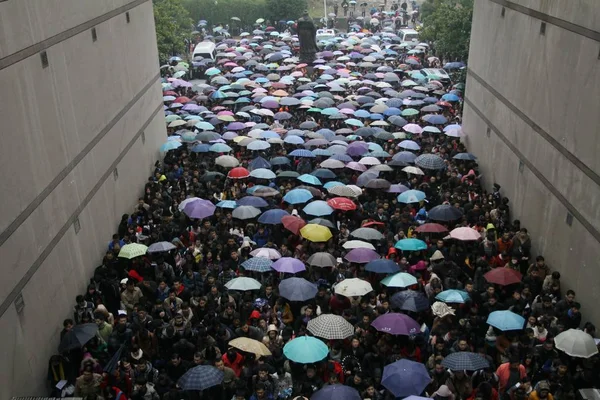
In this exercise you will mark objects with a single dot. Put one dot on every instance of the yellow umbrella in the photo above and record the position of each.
(316, 233)
(238, 139)
(250, 346)
(227, 118)
(133, 250)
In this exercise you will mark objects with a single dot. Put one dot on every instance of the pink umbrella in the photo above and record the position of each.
(356, 166)
(361, 255)
(465, 233)
(413, 128)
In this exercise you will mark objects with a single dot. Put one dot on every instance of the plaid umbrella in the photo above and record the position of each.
(200, 378)
(330, 327)
(430, 161)
(297, 289)
(343, 191)
(258, 264)
(465, 361)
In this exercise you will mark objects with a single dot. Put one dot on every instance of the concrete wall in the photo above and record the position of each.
(531, 116)
(65, 128)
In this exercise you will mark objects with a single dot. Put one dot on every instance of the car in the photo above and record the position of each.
(325, 34)
(437, 74)
(205, 50)
(409, 36)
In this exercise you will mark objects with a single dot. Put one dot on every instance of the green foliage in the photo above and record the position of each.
(220, 11)
(447, 24)
(278, 10)
(173, 26)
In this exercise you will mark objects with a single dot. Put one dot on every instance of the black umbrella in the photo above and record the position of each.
(78, 337)
(445, 212)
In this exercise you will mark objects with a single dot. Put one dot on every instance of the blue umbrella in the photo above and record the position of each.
(450, 97)
(280, 161)
(411, 196)
(324, 173)
(293, 139)
(505, 320)
(453, 296)
(200, 378)
(410, 300)
(201, 148)
(405, 157)
(451, 127)
(362, 114)
(342, 157)
(410, 244)
(258, 264)
(302, 153)
(263, 173)
(435, 119)
(409, 145)
(318, 208)
(252, 201)
(366, 177)
(219, 148)
(465, 361)
(170, 145)
(305, 350)
(259, 145)
(297, 289)
(465, 156)
(310, 179)
(331, 184)
(272, 217)
(227, 204)
(322, 152)
(405, 378)
(257, 163)
(382, 266)
(336, 392)
(399, 279)
(297, 196)
(160, 247)
(445, 212)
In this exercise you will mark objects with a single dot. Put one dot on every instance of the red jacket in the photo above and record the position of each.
(236, 365)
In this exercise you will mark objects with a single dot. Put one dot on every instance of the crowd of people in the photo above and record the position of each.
(321, 232)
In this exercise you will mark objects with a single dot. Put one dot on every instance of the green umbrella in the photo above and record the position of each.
(133, 250)
(409, 112)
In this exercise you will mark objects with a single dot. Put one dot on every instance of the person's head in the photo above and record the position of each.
(130, 285)
(68, 324)
(219, 364)
(515, 363)
(88, 373)
(570, 296)
(263, 372)
(99, 319)
(463, 344)
(539, 260)
(260, 390)
(355, 342)
(175, 359)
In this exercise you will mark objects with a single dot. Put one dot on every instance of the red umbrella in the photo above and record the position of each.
(432, 228)
(293, 223)
(443, 104)
(341, 203)
(503, 276)
(182, 100)
(371, 223)
(169, 93)
(238, 173)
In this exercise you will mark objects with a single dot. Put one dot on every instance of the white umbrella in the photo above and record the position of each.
(353, 287)
(413, 170)
(227, 161)
(243, 283)
(266, 252)
(576, 343)
(357, 244)
(245, 212)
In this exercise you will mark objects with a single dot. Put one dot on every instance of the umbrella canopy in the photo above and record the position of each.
(358, 244)
(453, 296)
(353, 287)
(318, 208)
(322, 259)
(430, 161)
(200, 378)
(396, 324)
(411, 196)
(445, 212)
(400, 279)
(305, 350)
(272, 217)
(133, 250)
(465, 361)
(405, 378)
(159, 247)
(77, 337)
(288, 264)
(266, 252)
(411, 245)
(316, 233)
(297, 196)
(367, 234)
(431, 228)
(257, 264)
(382, 266)
(330, 327)
(293, 223)
(506, 320)
(342, 204)
(361, 255)
(410, 300)
(250, 346)
(297, 289)
(238, 173)
(576, 343)
(245, 212)
(336, 392)
(199, 209)
(243, 284)
(252, 201)
(503, 276)
(465, 233)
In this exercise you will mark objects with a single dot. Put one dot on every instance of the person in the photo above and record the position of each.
(131, 296)
(88, 385)
(144, 390)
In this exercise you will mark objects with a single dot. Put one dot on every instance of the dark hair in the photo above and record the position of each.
(79, 298)
(570, 292)
(539, 258)
(556, 275)
(68, 321)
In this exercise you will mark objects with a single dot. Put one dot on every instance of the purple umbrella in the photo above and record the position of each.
(357, 149)
(398, 188)
(252, 201)
(336, 392)
(199, 209)
(236, 126)
(361, 255)
(270, 104)
(396, 324)
(356, 166)
(191, 107)
(289, 264)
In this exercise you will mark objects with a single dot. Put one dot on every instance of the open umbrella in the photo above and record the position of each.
(453, 296)
(315, 233)
(297, 196)
(396, 324)
(245, 212)
(318, 208)
(367, 234)
(200, 378)
(250, 346)
(293, 223)
(410, 300)
(465, 361)
(431, 228)
(330, 327)
(399, 279)
(305, 350)
(78, 337)
(159, 247)
(411, 245)
(133, 250)
(358, 244)
(411, 196)
(336, 392)
(361, 255)
(257, 264)
(503, 276)
(353, 287)
(199, 208)
(465, 233)
(297, 289)
(266, 252)
(382, 266)
(288, 264)
(272, 217)
(243, 284)
(576, 343)
(321, 259)
(505, 320)
(342, 204)
(405, 378)
(445, 212)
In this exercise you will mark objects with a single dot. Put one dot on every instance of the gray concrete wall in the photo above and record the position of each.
(96, 107)
(531, 116)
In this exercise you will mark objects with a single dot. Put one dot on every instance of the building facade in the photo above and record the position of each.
(532, 116)
(81, 121)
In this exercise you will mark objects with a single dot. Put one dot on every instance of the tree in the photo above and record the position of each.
(447, 24)
(285, 10)
(173, 27)
(220, 11)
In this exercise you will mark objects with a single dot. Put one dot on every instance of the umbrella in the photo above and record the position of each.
(410, 300)
(310, 179)
(199, 208)
(410, 245)
(445, 212)
(505, 320)
(289, 264)
(357, 244)
(252, 201)
(430, 161)
(297, 289)
(353, 287)
(335, 392)
(343, 191)
(405, 378)
(293, 223)
(465, 361)
(575, 343)
(266, 252)
(272, 217)
(382, 266)
(243, 284)
(361, 255)
(465, 156)
(396, 324)
(263, 173)
(227, 162)
(431, 228)
(399, 279)
(321, 259)
(318, 208)
(245, 212)
(341, 203)
(250, 346)
(258, 264)
(200, 378)
(503, 276)
(367, 234)
(465, 233)
(305, 350)
(297, 196)
(453, 296)
(78, 336)
(315, 233)
(238, 173)
(133, 250)
(159, 247)
(411, 196)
